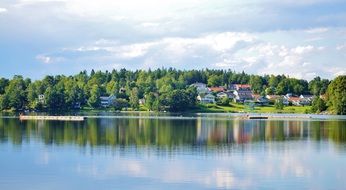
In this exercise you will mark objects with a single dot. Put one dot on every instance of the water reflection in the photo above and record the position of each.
(208, 153)
(169, 133)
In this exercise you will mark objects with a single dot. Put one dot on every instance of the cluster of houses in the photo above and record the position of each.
(242, 93)
(238, 93)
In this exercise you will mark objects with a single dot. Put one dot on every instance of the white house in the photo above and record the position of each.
(41, 98)
(107, 101)
(206, 98)
(227, 94)
(200, 87)
(242, 93)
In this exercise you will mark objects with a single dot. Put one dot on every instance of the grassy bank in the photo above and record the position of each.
(235, 108)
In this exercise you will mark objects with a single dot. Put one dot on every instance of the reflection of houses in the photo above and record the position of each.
(107, 101)
(200, 87)
(213, 131)
(206, 98)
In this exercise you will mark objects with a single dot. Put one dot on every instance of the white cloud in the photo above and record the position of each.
(3, 10)
(303, 49)
(341, 47)
(44, 59)
(317, 30)
(48, 59)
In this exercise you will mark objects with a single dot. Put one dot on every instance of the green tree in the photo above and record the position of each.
(94, 99)
(120, 103)
(318, 105)
(54, 98)
(15, 93)
(256, 84)
(336, 94)
(134, 100)
(279, 104)
(215, 80)
(223, 101)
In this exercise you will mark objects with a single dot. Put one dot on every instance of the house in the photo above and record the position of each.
(41, 98)
(141, 101)
(274, 98)
(107, 101)
(295, 100)
(200, 87)
(76, 105)
(307, 97)
(217, 89)
(261, 100)
(206, 98)
(242, 93)
(227, 94)
(239, 86)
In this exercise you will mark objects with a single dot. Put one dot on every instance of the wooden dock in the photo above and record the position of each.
(52, 118)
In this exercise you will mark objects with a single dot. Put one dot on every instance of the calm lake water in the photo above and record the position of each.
(202, 151)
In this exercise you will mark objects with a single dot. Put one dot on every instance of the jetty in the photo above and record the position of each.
(52, 118)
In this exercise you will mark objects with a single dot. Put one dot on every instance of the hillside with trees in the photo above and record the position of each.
(163, 89)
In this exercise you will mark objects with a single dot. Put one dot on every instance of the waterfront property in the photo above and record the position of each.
(206, 98)
(107, 101)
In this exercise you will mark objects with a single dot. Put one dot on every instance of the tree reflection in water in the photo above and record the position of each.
(169, 133)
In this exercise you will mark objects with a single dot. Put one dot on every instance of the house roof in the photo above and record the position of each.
(217, 89)
(273, 97)
(242, 86)
(294, 99)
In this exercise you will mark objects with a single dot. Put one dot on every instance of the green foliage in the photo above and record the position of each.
(256, 84)
(223, 101)
(318, 105)
(134, 100)
(163, 89)
(215, 80)
(120, 103)
(54, 98)
(337, 95)
(94, 99)
(279, 104)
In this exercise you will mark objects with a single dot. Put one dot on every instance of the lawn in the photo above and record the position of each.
(233, 108)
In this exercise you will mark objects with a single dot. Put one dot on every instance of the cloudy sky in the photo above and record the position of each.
(302, 38)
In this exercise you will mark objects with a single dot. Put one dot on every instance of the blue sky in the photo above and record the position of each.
(301, 39)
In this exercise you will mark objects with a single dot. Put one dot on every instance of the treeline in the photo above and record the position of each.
(163, 89)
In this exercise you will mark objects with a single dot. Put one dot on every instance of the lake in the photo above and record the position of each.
(164, 151)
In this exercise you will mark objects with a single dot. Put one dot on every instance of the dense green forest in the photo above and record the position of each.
(163, 89)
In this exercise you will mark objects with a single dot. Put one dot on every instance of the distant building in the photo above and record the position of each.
(41, 98)
(77, 105)
(217, 89)
(141, 101)
(242, 93)
(260, 100)
(206, 98)
(227, 94)
(107, 101)
(294, 100)
(239, 86)
(274, 98)
(200, 87)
